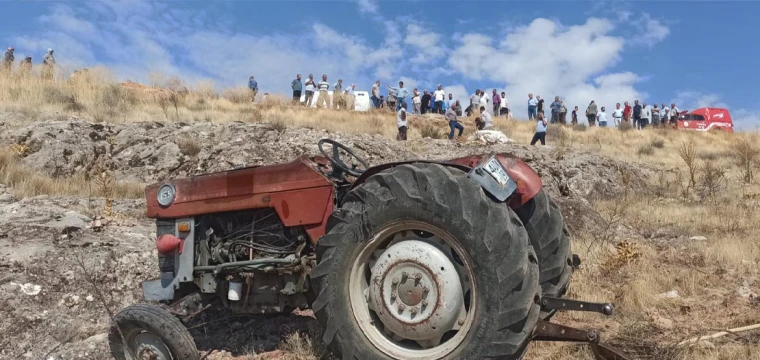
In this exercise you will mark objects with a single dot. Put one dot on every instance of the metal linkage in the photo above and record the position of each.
(550, 303)
(546, 331)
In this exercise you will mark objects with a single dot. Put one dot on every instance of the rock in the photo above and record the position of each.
(29, 288)
(89, 298)
(663, 323)
(698, 238)
(746, 292)
(672, 294)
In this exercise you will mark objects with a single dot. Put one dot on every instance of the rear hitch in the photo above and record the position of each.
(550, 303)
(547, 331)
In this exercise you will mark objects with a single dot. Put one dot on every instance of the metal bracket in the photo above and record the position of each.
(547, 331)
(550, 303)
(481, 174)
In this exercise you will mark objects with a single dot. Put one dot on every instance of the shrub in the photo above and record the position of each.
(430, 131)
(657, 143)
(278, 124)
(747, 154)
(189, 147)
(238, 95)
(625, 126)
(580, 127)
(645, 150)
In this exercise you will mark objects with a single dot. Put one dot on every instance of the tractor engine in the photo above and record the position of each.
(252, 261)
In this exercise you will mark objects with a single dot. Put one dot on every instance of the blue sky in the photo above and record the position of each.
(692, 53)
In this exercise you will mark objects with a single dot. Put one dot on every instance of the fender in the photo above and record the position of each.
(528, 181)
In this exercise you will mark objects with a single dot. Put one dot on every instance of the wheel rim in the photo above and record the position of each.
(145, 345)
(412, 291)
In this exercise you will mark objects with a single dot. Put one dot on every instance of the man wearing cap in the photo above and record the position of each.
(8, 59)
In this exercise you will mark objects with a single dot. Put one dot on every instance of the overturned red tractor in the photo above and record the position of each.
(461, 259)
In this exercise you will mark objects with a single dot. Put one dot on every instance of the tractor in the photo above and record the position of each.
(461, 259)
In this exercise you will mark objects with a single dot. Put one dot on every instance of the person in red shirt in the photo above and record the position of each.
(627, 112)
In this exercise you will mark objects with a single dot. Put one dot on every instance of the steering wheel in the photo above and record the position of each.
(336, 160)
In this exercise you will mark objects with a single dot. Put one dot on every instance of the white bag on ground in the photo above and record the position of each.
(490, 137)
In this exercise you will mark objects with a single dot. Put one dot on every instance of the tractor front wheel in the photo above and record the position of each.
(144, 331)
(419, 263)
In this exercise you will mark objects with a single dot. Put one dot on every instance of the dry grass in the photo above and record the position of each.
(702, 184)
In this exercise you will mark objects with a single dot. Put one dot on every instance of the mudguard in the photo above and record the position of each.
(527, 180)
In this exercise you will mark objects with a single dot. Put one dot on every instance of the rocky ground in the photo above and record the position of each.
(52, 251)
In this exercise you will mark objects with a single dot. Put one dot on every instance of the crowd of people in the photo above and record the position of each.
(25, 65)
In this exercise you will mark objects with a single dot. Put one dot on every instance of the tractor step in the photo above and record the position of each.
(547, 331)
(551, 303)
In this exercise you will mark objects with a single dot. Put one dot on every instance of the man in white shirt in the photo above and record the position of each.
(348, 97)
(485, 122)
(664, 115)
(324, 98)
(309, 91)
(504, 105)
(416, 102)
(484, 100)
(601, 118)
(617, 114)
(439, 95)
(674, 112)
(401, 121)
(532, 102)
(646, 115)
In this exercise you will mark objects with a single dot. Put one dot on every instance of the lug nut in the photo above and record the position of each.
(460, 322)
(425, 289)
(414, 310)
(393, 296)
(401, 307)
(404, 275)
(424, 303)
(418, 276)
(394, 282)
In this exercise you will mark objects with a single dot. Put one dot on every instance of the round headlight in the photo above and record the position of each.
(166, 194)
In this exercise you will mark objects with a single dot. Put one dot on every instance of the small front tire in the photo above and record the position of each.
(147, 331)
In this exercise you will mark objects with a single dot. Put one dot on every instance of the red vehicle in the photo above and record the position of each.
(706, 119)
(466, 258)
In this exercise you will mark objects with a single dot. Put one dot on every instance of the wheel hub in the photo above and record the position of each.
(415, 291)
(150, 347)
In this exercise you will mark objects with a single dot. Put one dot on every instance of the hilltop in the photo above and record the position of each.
(666, 221)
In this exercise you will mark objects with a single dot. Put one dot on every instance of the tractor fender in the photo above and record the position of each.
(528, 181)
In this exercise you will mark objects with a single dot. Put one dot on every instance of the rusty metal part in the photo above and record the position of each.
(550, 303)
(547, 331)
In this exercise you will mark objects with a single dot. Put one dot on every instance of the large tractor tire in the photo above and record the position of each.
(144, 331)
(551, 240)
(419, 263)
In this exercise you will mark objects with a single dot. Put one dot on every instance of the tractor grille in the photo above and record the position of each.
(165, 263)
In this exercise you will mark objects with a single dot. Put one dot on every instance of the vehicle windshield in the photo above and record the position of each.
(691, 117)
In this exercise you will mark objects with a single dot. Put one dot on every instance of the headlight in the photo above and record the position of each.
(166, 194)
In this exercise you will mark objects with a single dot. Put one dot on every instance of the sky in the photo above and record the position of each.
(693, 53)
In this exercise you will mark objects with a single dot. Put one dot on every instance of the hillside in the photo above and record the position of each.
(666, 222)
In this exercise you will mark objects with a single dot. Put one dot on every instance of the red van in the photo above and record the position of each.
(706, 119)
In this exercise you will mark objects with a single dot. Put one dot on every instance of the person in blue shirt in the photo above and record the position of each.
(400, 93)
(540, 129)
(254, 86)
(532, 102)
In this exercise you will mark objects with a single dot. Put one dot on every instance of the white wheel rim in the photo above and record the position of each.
(420, 299)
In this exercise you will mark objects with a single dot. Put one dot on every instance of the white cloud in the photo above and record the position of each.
(367, 6)
(426, 41)
(650, 31)
(569, 62)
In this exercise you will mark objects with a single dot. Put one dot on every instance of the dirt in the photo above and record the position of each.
(51, 244)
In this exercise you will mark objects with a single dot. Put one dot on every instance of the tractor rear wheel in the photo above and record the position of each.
(419, 263)
(551, 240)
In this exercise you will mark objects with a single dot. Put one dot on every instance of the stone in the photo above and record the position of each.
(698, 238)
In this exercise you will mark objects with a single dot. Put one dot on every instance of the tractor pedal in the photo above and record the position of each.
(550, 303)
(576, 261)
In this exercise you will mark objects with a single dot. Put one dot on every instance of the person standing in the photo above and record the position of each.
(674, 112)
(401, 122)
(376, 101)
(297, 86)
(425, 102)
(540, 130)
(310, 86)
(574, 116)
(390, 100)
(451, 116)
(496, 102)
(504, 106)
(323, 100)
(591, 113)
(254, 86)
(555, 106)
(646, 114)
(474, 102)
(25, 68)
(439, 96)
(416, 102)
(532, 103)
(617, 115)
(450, 101)
(636, 114)
(400, 93)
(540, 106)
(627, 112)
(484, 100)
(664, 115)
(8, 59)
(563, 112)
(348, 97)
(655, 116)
(48, 62)
(601, 118)
(337, 98)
